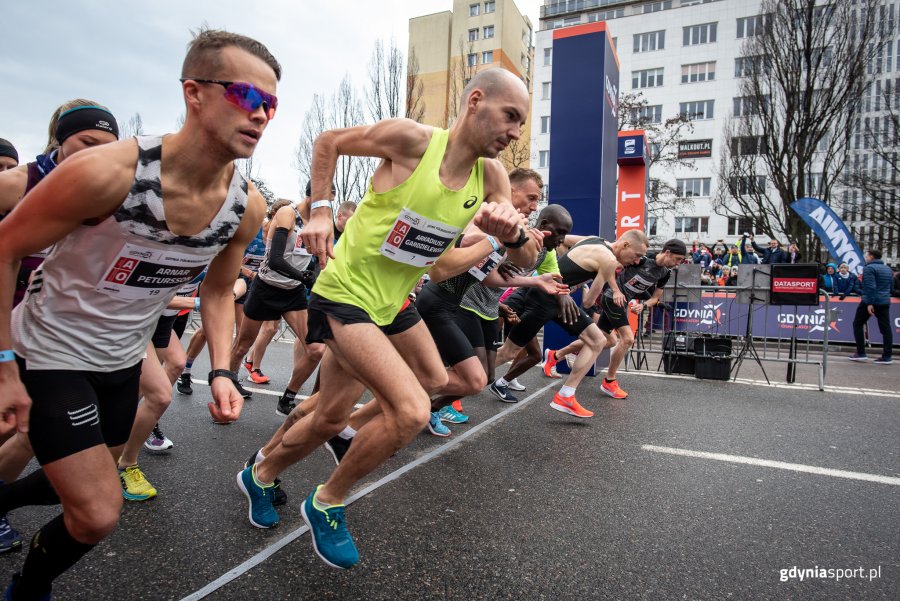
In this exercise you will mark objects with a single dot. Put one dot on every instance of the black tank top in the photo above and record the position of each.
(574, 274)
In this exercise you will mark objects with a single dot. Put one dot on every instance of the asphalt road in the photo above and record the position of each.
(527, 503)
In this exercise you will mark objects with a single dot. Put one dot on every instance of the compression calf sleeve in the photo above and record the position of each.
(33, 489)
(52, 552)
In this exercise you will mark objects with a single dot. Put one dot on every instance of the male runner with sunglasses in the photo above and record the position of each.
(129, 230)
(430, 184)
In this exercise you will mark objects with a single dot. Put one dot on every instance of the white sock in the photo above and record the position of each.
(502, 382)
(259, 456)
(566, 392)
(347, 433)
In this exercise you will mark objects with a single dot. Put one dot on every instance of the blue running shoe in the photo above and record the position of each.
(12, 584)
(452, 416)
(503, 393)
(261, 513)
(436, 427)
(10, 540)
(331, 539)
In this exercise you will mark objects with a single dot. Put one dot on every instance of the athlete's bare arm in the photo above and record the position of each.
(217, 308)
(12, 187)
(498, 193)
(400, 143)
(89, 185)
(606, 274)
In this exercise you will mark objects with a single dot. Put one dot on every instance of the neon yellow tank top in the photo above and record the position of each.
(396, 236)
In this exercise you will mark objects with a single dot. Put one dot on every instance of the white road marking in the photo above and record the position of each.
(268, 392)
(794, 467)
(283, 542)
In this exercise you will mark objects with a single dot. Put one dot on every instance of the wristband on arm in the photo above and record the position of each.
(7, 356)
(520, 241)
(319, 204)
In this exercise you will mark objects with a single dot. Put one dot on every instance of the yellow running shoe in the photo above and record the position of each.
(135, 486)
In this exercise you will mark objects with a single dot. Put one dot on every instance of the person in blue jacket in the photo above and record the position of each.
(876, 300)
(826, 280)
(846, 283)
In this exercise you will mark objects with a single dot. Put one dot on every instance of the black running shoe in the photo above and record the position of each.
(338, 446)
(242, 391)
(285, 406)
(184, 384)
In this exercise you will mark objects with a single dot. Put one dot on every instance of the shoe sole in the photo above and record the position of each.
(281, 413)
(243, 489)
(189, 391)
(564, 409)
(882, 362)
(132, 497)
(519, 389)
(612, 394)
(438, 433)
(260, 383)
(333, 454)
(158, 451)
(450, 420)
(858, 359)
(313, 537)
(17, 546)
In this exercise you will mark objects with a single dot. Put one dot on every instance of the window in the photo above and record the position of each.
(473, 35)
(545, 125)
(650, 41)
(746, 66)
(697, 110)
(748, 145)
(548, 56)
(474, 10)
(647, 114)
(651, 225)
(699, 34)
(490, 6)
(747, 184)
(737, 226)
(606, 15)
(648, 78)
(749, 105)
(472, 60)
(698, 72)
(487, 57)
(488, 32)
(748, 27)
(691, 225)
(545, 90)
(652, 7)
(691, 187)
(544, 158)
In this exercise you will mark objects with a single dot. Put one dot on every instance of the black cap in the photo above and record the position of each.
(675, 246)
(8, 150)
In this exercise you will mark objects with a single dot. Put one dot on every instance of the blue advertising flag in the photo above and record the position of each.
(832, 231)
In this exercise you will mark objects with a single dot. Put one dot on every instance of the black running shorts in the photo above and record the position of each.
(538, 309)
(439, 310)
(612, 316)
(267, 303)
(481, 332)
(163, 331)
(320, 309)
(75, 410)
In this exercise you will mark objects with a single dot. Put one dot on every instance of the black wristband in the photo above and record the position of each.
(520, 241)
(221, 373)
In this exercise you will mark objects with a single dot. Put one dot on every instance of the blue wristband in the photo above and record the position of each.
(6, 356)
(196, 303)
(493, 242)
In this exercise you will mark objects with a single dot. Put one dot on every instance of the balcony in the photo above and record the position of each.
(563, 7)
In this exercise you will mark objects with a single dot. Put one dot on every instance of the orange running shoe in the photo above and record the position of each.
(550, 362)
(248, 364)
(457, 404)
(570, 405)
(613, 389)
(258, 377)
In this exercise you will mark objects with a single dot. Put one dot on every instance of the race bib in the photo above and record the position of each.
(416, 240)
(486, 266)
(253, 261)
(299, 247)
(139, 272)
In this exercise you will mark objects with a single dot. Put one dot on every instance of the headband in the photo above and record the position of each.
(82, 118)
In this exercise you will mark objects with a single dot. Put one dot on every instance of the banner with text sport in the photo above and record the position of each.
(832, 231)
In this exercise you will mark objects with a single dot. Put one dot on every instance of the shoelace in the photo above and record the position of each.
(337, 521)
(157, 433)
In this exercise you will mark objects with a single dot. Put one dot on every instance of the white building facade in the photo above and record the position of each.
(684, 57)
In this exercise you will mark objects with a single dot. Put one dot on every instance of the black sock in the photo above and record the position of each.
(608, 381)
(33, 489)
(52, 552)
(289, 394)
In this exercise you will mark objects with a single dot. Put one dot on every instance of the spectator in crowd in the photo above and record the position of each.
(733, 258)
(876, 301)
(748, 256)
(793, 254)
(703, 257)
(772, 254)
(732, 276)
(845, 283)
(826, 280)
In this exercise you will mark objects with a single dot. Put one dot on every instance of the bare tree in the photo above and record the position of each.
(516, 154)
(802, 73)
(315, 121)
(385, 81)
(250, 171)
(133, 127)
(461, 71)
(635, 112)
(353, 173)
(415, 89)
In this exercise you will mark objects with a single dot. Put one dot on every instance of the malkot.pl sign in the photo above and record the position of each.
(795, 285)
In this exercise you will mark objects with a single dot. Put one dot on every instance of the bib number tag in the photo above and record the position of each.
(486, 266)
(299, 247)
(139, 272)
(253, 261)
(417, 241)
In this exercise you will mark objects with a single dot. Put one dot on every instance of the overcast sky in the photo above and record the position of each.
(127, 55)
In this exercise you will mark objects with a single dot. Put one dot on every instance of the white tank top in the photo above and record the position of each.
(295, 254)
(94, 302)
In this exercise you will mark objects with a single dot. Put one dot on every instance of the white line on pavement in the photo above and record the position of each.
(281, 543)
(269, 392)
(795, 467)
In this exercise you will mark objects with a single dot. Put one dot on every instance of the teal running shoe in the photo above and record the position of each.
(452, 416)
(261, 513)
(436, 427)
(331, 539)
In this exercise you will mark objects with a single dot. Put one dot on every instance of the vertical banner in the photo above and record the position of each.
(831, 230)
(583, 149)
(631, 199)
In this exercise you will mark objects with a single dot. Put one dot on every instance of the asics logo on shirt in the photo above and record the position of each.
(470, 202)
